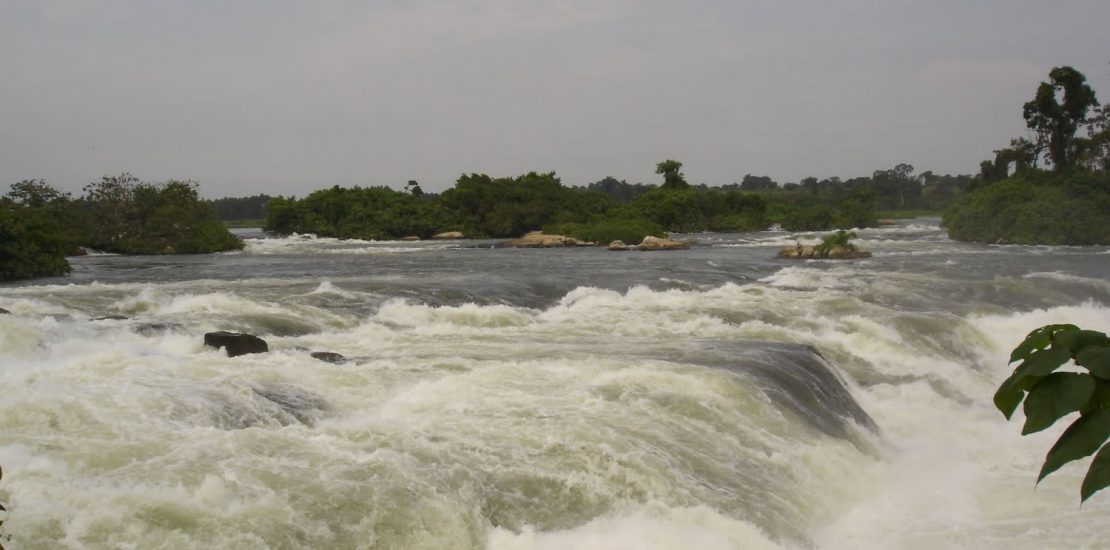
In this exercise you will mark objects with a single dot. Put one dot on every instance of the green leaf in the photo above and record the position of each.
(1042, 363)
(1098, 475)
(1037, 340)
(1096, 360)
(1055, 396)
(1082, 438)
(1009, 396)
(1099, 400)
(1076, 340)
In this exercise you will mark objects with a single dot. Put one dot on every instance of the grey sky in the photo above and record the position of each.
(285, 96)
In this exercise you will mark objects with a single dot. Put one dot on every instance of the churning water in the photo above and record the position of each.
(550, 399)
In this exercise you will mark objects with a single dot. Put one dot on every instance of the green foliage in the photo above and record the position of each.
(241, 208)
(1050, 396)
(1058, 122)
(38, 226)
(672, 177)
(358, 213)
(133, 217)
(1035, 208)
(840, 239)
(28, 248)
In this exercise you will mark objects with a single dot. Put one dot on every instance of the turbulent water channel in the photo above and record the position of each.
(515, 399)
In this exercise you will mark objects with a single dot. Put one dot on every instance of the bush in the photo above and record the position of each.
(1035, 208)
(28, 248)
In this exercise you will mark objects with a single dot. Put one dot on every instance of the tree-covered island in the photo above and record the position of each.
(40, 226)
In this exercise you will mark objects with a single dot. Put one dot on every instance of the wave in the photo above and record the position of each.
(644, 418)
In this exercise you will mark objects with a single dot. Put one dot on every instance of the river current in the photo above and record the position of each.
(517, 399)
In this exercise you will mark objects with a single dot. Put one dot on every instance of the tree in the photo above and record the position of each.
(1057, 122)
(757, 183)
(672, 178)
(1050, 396)
(413, 187)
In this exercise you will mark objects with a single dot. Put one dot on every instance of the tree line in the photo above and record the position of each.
(40, 226)
(480, 205)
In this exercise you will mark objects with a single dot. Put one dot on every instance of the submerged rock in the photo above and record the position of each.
(236, 343)
(448, 235)
(807, 252)
(328, 357)
(150, 329)
(657, 243)
(109, 318)
(4, 311)
(618, 246)
(299, 404)
(539, 239)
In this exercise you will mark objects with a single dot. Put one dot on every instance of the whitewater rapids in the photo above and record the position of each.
(521, 399)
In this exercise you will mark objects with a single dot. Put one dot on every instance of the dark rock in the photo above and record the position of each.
(328, 357)
(109, 318)
(150, 329)
(236, 343)
(78, 251)
(4, 311)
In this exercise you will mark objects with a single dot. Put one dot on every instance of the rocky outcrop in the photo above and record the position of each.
(807, 252)
(449, 235)
(328, 357)
(236, 343)
(618, 246)
(539, 239)
(656, 243)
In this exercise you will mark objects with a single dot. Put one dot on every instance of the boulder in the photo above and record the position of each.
(656, 243)
(328, 357)
(236, 343)
(618, 246)
(539, 239)
(887, 221)
(809, 252)
(4, 311)
(168, 250)
(77, 251)
(449, 235)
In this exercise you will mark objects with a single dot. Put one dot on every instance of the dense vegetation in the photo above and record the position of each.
(1050, 396)
(39, 226)
(483, 206)
(1069, 202)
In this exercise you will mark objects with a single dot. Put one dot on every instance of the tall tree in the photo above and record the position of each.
(1058, 111)
(672, 177)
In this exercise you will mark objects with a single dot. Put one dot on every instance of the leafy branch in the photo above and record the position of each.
(1050, 396)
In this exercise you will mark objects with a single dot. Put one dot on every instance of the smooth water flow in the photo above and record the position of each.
(516, 399)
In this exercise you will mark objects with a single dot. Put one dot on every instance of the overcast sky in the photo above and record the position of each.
(288, 96)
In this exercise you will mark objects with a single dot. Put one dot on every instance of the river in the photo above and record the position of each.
(711, 398)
